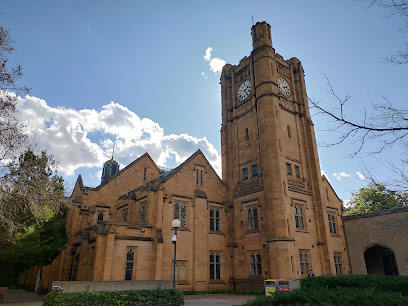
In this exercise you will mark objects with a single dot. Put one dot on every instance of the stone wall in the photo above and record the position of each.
(387, 228)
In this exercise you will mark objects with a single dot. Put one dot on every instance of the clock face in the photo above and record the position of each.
(284, 87)
(244, 90)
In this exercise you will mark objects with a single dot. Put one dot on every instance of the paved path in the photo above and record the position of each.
(217, 299)
(22, 297)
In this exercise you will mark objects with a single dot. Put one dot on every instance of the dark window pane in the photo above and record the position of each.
(211, 224)
(245, 173)
(217, 224)
(255, 218)
(218, 271)
(255, 170)
(211, 271)
(249, 219)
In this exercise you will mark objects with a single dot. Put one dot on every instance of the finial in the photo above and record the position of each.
(113, 148)
(252, 20)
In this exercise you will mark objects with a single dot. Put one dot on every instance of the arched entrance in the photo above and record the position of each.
(380, 261)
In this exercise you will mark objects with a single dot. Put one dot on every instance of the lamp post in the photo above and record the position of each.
(176, 224)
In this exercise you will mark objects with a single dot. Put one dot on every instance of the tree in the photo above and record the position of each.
(12, 136)
(376, 197)
(384, 124)
(30, 193)
(39, 247)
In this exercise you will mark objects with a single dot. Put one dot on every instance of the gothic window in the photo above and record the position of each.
(254, 170)
(256, 263)
(143, 214)
(215, 265)
(288, 168)
(214, 219)
(245, 173)
(337, 263)
(74, 270)
(199, 176)
(129, 264)
(180, 213)
(304, 258)
(100, 216)
(125, 214)
(246, 134)
(252, 218)
(332, 222)
(297, 173)
(299, 216)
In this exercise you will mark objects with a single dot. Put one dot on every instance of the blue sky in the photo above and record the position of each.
(134, 72)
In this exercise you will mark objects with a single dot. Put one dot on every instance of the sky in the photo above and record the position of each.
(145, 75)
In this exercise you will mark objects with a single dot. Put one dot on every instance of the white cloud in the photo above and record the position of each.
(360, 175)
(84, 138)
(347, 204)
(204, 75)
(324, 173)
(216, 63)
(340, 176)
(207, 55)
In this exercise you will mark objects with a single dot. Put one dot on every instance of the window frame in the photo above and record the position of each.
(332, 218)
(338, 263)
(252, 217)
(129, 264)
(255, 263)
(215, 221)
(215, 265)
(288, 169)
(245, 174)
(180, 214)
(305, 265)
(297, 171)
(255, 173)
(300, 223)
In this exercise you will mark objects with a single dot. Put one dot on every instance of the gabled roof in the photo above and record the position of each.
(166, 176)
(118, 173)
(324, 178)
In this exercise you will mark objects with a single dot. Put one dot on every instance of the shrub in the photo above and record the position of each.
(382, 283)
(343, 290)
(338, 296)
(132, 297)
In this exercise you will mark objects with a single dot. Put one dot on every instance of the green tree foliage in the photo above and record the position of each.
(376, 197)
(30, 193)
(39, 247)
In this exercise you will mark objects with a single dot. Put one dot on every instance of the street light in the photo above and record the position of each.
(176, 224)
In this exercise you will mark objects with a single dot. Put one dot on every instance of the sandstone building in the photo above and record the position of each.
(272, 215)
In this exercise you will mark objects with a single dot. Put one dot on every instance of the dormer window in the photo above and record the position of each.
(100, 217)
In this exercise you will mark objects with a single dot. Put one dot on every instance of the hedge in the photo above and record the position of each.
(382, 283)
(343, 290)
(338, 296)
(132, 297)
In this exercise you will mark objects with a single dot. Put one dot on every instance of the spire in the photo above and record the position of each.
(110, 167)
(113, 152)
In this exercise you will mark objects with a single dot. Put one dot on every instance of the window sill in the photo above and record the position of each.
(302, 230)
(183, 229)
(252, 231)
(216, 232)
(183, 282)
(216, 281)
(335, 235)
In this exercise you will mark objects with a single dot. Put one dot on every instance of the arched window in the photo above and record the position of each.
(252, 218)
(256, 265)
(100, 216)
(215, 265)
(129, 264)
(180, 213)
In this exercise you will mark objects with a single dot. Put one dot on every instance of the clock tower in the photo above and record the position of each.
(278, 221)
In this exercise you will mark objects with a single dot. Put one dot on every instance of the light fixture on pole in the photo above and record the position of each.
(176, 224)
